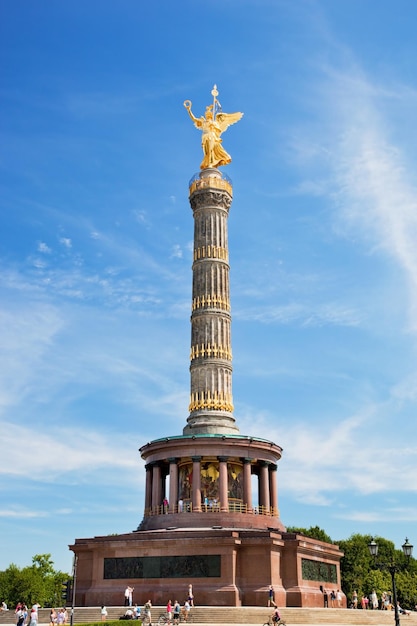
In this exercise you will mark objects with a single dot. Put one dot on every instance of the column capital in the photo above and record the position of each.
(246, 460)
(196, 459)
(222, 459)
(172, 459)
(264, 463)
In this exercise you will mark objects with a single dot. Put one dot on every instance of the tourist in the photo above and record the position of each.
(339, 598)
(374, 600)
(402, 611)
(186, 610)
(177, 610)
(271, 601)
(129, 596)
(169, 611)
(20, 616)
(33, 618)
(276, 615)
(332, 598)
(103, 613)
(165, 504)
(148, 607)
(137, 612)
(60, 617)
(355, 600)
(190, 595)
(3, 606)
(52, 617)
(325, 599)
(129, 614)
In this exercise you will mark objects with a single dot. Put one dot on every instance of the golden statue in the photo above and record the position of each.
(213, 124)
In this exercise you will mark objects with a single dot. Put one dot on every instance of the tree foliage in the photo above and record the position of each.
(314, 532)
(38, 582)
(360, 571)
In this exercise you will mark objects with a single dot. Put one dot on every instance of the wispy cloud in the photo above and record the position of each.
(303, 314)
(371, 181)
(76, 452)
(16, 513)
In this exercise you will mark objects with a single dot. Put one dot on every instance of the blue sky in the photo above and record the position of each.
(95, 249)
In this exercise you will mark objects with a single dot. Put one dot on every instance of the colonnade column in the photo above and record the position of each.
(196, 483)
(156, 487)
(264, 500)
(148, 488)
(173, 485)
(273, 488)
(223, 491)
(247, 484)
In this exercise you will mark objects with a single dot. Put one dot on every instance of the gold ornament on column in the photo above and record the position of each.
(212, 124)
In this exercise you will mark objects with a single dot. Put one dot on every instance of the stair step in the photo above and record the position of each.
(240, 615)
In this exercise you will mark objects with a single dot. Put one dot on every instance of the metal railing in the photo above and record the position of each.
(234, 506)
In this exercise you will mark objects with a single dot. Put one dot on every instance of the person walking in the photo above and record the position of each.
(177, 610)
(33, 619)
(52, 617)
(190, 595)
(148, 607)
(103, 613)
(186, 610)
(20, 616)
(169, 611)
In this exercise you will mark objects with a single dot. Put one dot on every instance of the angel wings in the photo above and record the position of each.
(224, 120)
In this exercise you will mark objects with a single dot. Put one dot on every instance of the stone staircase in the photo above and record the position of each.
(256, 616)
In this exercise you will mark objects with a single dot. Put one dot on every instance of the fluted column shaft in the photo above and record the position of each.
(211, 400)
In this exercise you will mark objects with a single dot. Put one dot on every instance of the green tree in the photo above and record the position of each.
(359, 571)
(314, 532)
(38, 582)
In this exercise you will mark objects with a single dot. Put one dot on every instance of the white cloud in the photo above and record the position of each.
(176, 252)
(72, 453)
(18, 513)
(42, 247)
